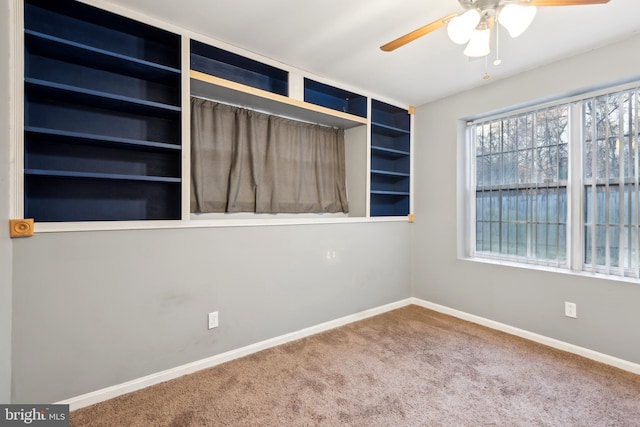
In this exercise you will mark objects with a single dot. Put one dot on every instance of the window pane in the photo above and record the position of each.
(588, 240)
(481, 141)
(525, 131)
(495, 206)
(522, 212)
(601, 245)
(562, 243)
(614, 246)
(508, 142)
(541, 241)
(614, 205)
(524, 166)
(495, 129)
(479, 171)
(496, 169)
(495, 237)
(522, 239)
(509, 238)
(611, 121)
(561, 205)
(479, 206)
(540, 206)
(542, 165)
(510, 167)
(563, 162)
(588, 197)
(528, 158)
(630, 248)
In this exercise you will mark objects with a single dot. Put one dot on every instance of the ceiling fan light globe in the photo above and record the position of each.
(480, 44)
(461, 27)
(516, 18)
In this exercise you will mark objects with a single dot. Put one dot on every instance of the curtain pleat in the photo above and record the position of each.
(247, 161)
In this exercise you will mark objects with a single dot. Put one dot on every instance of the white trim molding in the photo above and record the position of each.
(16, 119)
(532, 336)
(209, 362)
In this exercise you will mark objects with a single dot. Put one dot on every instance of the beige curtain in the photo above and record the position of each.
(246, 161)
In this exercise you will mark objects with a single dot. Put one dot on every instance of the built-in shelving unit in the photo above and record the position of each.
(230, 78)
(218, 89)
(103, 117)
(334, 98)
(390, 160)
(236, 68)
(102, 135)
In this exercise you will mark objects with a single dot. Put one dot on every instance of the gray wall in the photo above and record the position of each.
(94, 309)
(608, 315)
(5, 242)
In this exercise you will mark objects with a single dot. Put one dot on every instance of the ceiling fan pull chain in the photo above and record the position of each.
(497, 61)
(486, 74)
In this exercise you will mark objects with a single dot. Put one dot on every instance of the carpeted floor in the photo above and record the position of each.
(408, 367)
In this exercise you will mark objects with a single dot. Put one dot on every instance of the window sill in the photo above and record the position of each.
(550, 269)
(63, 227)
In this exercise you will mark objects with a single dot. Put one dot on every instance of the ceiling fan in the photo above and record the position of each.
(473, 26)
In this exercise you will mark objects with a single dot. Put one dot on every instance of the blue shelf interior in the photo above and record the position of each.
(74, 21)
(334, 98)
(390, 116)
(62, 50)
(389, 205)
(230, 66)
(63, 199)
(43, 89)
(102, 134)
(390, 160)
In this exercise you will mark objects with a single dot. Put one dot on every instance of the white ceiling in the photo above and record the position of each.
(340, 39)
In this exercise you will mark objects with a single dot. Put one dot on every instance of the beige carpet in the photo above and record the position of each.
(408, 367)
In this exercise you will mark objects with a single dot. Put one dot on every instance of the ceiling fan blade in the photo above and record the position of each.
(401, 41)
(542, 3)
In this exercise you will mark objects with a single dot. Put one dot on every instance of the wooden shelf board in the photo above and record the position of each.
(389, 193)
(83, 137)
(93, 175)
(215, 88)
(389, 173)
(99, 99)
(389, 152)
(388, 130)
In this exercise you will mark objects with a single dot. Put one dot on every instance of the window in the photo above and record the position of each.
(610, 180)
(521, 186)
(525, 196)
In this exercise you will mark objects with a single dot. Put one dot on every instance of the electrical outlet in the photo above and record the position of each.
(570, 309)
(213, 320)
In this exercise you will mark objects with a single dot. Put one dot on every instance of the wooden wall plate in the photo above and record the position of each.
(21, 227)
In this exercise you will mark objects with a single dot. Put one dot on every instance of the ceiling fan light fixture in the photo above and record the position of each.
(516, 18)
(461, 27)
(480, 43)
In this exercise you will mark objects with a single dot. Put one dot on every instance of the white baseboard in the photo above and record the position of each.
(169, 374)
(551, 342)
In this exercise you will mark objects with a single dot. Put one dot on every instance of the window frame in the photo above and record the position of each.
(531, 185)
(576, 186)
